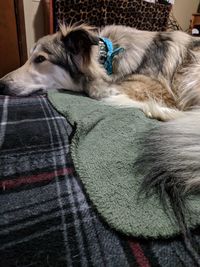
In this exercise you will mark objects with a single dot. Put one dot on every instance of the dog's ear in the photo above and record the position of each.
(78, 42)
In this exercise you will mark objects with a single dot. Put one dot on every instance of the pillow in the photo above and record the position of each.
(135, 13)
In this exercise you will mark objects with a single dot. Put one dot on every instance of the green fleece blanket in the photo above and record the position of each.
(104, 148)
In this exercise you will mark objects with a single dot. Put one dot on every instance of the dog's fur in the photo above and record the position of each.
(157, 73)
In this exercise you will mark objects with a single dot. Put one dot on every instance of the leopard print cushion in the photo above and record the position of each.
(135, 13)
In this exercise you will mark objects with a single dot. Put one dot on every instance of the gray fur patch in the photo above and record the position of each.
(155, 55)
(59, 56)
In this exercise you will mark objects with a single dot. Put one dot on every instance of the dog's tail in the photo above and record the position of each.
(171, 156)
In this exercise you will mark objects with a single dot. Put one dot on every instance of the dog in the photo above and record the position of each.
(157, 72)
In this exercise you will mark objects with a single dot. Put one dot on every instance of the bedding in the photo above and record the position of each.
(134, 13)
(104, 149)
(46, 217)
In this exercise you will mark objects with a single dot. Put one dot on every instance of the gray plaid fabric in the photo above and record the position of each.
(46, 218)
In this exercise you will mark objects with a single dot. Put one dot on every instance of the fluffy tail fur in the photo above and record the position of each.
(172, 158)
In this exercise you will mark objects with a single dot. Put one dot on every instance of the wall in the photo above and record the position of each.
(183, 10)
(34, 21)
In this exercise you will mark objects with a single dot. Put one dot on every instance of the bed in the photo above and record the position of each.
(46, 217)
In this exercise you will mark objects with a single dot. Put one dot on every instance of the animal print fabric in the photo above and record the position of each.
(135, 13)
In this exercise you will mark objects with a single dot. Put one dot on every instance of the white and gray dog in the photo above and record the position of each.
(158, 73)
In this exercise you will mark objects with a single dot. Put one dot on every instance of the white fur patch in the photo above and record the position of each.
(150, 108)
(46, 76)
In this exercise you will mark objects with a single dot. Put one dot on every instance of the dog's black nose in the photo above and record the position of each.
(3, 88)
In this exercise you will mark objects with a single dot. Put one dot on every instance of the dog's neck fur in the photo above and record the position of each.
(145, 54)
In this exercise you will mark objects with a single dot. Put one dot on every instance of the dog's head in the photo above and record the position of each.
(56, 61)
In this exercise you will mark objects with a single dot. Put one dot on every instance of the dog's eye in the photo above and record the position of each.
(39, 59)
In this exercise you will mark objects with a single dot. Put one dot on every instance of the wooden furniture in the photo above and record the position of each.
(195, 20)
(51, 17)
(13, 51)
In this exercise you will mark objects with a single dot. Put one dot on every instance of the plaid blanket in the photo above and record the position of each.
(46, 218)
